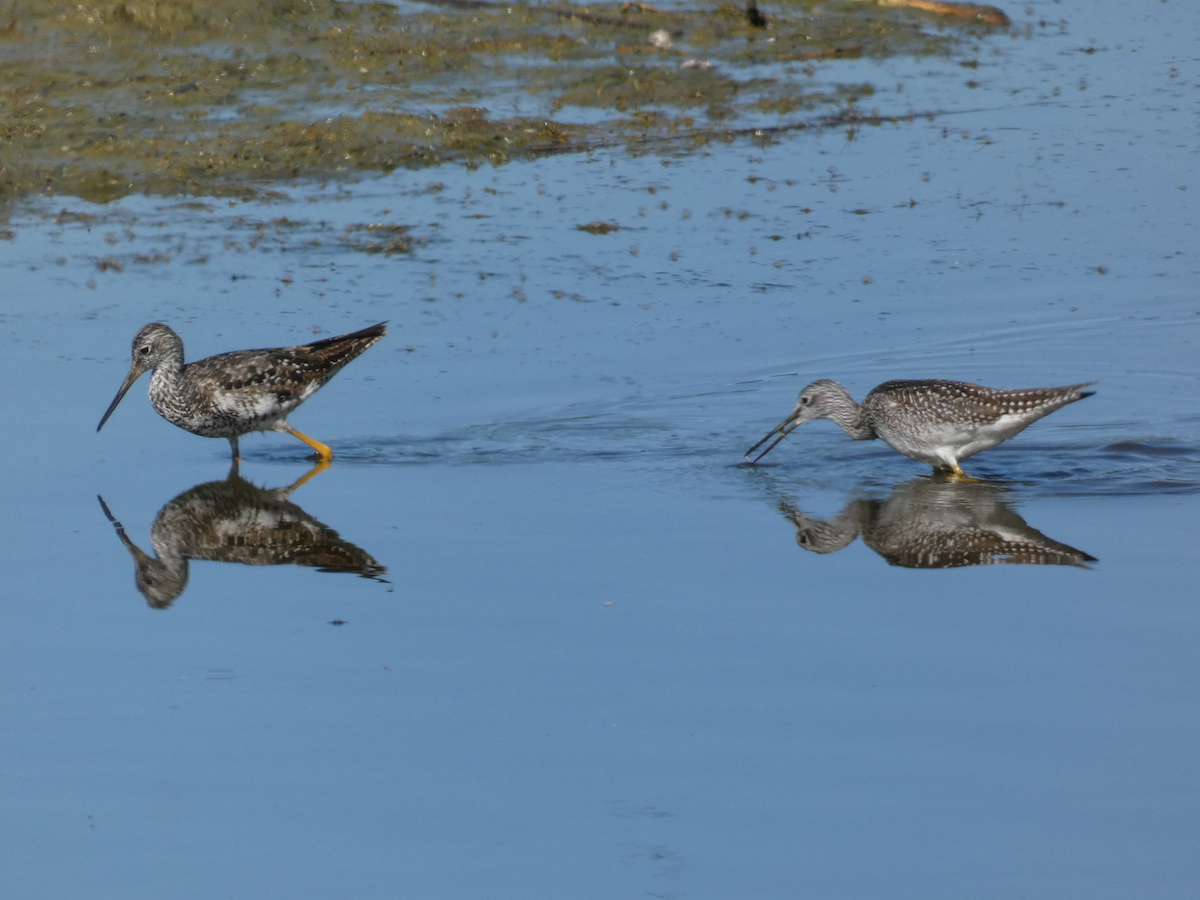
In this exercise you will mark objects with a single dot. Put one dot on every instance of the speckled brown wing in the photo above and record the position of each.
(961, 404)
(292, 374)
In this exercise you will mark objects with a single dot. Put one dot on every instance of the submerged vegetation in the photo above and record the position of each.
(228, 97)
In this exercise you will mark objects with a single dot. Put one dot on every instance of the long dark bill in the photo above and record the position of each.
(781, 429)
(135, 372)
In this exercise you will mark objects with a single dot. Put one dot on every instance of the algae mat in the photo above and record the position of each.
(219, 98)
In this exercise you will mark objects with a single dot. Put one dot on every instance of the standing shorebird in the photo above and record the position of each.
(937, 422)
(232, 394)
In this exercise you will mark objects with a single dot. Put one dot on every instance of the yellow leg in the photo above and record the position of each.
(958, 474)
(324, 454)
(316, 470)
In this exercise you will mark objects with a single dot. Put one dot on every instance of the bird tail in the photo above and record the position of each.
(374, 333)
(1079, 395)
(337, 351)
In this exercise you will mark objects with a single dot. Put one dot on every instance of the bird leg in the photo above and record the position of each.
(324, 454)
(956, 473)
(321, 466)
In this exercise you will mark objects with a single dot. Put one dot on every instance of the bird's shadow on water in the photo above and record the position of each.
(234, 521)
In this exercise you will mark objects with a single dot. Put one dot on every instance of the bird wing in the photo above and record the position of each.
(971, 405)
(289, 373)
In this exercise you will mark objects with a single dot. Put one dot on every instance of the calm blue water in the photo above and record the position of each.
(599, 663)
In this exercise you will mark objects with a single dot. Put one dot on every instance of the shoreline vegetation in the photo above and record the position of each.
(232, 98)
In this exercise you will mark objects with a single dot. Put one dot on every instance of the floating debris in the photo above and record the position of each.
(394, 239)
(661, 39)
(987, 15)
(599, 227)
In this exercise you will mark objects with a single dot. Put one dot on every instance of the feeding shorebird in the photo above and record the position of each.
(937, 422)
(232, 394)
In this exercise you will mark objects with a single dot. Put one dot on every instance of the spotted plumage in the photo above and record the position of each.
(232, 394)
(928, 524)
(234, 521)
(937, 422)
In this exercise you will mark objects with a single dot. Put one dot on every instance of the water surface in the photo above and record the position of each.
(599, 663)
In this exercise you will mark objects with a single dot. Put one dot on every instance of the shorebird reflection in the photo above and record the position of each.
(936, 524)
(234, 521)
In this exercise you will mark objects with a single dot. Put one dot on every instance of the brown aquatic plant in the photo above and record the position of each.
(216, 98)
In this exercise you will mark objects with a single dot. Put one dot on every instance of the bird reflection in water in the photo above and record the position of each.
(234, 521)
(933, 523)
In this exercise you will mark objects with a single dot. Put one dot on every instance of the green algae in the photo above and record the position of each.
(599, 227)
(231, 99)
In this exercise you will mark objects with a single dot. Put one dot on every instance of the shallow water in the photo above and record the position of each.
(600, 661)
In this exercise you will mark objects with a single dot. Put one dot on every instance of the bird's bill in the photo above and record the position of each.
(135, 372)
(781, 430)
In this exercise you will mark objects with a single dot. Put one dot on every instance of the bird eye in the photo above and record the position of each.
(805, 400)
(144, 350)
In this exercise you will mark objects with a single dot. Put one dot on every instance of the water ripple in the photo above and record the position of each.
(1090, 462)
